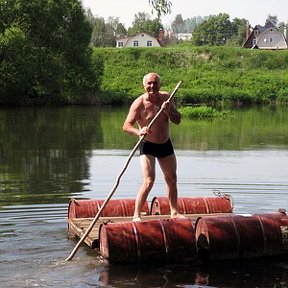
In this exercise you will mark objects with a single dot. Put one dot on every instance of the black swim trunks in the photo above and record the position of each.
(156, 150)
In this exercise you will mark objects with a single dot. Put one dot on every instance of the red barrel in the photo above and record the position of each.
(114, 208)
(193, 205)
(242, 236)
(166, 240)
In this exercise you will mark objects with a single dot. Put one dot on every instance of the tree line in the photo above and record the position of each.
(207, 30)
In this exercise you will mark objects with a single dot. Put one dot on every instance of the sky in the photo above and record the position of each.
(255, 11)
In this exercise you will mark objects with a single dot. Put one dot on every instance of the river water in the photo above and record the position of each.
(49, 155)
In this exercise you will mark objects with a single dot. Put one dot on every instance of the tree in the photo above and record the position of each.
(283, 28)
(191, 23)
(44, 53)
(161, 7)
(238, 32)
(114, 29)
(98, 32)
(273, 19)
(120, 30)
(178, 24)
(143, 23)
(104, 33)
(219, 30)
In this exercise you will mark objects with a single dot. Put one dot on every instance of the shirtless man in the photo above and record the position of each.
(157, 143)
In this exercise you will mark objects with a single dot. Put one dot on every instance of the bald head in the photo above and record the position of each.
(151, 75)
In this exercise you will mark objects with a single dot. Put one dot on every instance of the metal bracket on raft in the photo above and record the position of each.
(219, 194)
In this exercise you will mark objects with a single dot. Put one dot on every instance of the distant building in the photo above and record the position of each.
(267, 37)
(183, 36)
(139, 40)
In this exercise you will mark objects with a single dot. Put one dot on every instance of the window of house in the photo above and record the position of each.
(120, 44)
(254, 41)
(271, 40)
(136, 43)
(149, 43)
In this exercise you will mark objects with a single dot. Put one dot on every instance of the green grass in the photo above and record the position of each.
(210, 74)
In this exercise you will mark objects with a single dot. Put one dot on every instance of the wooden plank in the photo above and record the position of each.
(77, 229)
(78, 226)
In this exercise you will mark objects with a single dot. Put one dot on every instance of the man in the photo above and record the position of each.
(157, 143)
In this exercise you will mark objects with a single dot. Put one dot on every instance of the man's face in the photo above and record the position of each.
(152, 84)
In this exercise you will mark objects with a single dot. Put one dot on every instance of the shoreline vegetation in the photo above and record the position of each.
(49, 58)
(212, 76)
(203, 112)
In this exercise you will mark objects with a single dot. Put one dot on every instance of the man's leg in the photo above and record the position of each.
(147, 163)
(169, 166)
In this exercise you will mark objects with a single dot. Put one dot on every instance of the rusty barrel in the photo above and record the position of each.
(193, 205)
(162, 240)
(242, 236)
(114, 208)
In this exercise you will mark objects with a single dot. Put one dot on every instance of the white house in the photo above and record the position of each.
(183, 36)
(271, 39)
(267, 37)
(139, 40)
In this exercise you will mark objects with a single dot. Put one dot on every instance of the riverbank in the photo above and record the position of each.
(210, 75)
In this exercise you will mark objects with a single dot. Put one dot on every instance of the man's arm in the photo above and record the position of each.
(132, 117)
(171, 111)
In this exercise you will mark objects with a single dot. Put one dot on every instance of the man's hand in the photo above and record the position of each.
(143, 131)
(170, 110)
(166, 106)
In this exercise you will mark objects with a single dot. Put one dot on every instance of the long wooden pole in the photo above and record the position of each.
(117, 180)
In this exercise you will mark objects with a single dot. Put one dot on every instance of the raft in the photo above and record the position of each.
(210, 231)
(82, 212)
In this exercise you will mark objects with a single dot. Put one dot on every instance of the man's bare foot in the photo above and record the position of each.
(136, 219)
(177, 215)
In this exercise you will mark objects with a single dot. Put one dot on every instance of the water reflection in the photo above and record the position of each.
(247, 129)
(223, 274)
(45, 153)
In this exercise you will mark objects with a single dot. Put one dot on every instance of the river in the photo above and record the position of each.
(49, 155)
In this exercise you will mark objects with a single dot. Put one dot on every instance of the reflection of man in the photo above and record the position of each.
(157, 143)
(201, 279)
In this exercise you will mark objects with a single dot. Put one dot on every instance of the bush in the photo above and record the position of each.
(201, 112)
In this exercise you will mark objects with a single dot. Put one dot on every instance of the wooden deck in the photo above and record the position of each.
(78, 226)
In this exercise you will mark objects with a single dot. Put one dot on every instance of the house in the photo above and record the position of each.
(267, 37)
(183, 36)
(139, 40)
